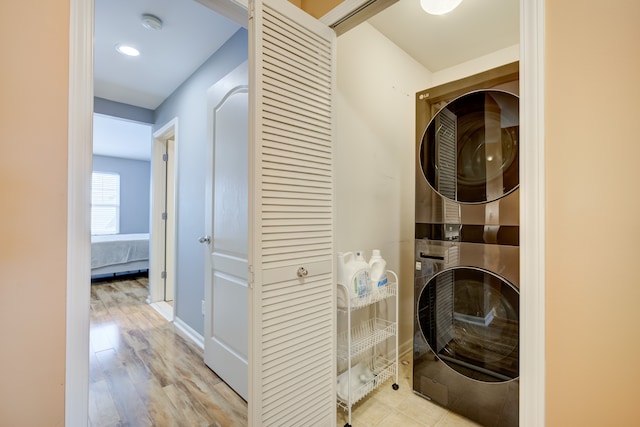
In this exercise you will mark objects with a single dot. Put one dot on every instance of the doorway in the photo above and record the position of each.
(162, 263)
(81, 22)
(81, 36)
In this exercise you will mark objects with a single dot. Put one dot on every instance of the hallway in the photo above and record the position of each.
(144, 373)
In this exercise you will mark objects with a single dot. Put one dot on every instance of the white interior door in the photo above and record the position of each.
(291, 256)
(226, 298)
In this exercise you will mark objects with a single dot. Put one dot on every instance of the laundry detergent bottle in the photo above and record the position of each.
(353, 274)
(378, 272)
(361, 280)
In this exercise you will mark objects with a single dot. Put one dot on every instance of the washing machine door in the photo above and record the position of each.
(469, 151)
(470, 319)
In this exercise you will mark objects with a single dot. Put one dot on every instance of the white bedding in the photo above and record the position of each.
(116, 249)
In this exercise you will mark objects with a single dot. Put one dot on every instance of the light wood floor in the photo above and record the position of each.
(144, 373)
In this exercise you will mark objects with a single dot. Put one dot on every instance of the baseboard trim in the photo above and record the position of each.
(164, 309)
(189, 332)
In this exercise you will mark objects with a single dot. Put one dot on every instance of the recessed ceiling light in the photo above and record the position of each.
(127, 50)
(151, 22)
(439, 7)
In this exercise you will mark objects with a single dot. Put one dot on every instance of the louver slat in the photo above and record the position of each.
(446, 123)
(294, 88)
(294, 318)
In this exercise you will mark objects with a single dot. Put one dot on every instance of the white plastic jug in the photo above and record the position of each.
(361, 280)
(378, 272)
(354, 274)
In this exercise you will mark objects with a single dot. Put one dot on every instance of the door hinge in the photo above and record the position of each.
(165, 157)
(163, 275)
(164, 216)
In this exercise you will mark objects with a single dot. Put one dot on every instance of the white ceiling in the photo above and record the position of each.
(192, 32)
(473, 29)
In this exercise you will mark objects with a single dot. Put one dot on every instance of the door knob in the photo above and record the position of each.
(205, 239)
(302, 272)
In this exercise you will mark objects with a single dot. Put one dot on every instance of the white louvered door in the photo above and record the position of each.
(291, 254)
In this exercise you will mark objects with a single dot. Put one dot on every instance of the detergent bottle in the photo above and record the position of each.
(378, 273)
(354, 274)
(362, 279)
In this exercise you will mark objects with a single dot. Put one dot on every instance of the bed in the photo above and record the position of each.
(119, 253)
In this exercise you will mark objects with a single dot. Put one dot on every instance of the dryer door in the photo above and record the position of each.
(469, 151)
(470, 319)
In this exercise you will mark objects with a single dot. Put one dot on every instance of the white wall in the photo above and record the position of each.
(377, 83)
(477, 65)
(375, 148)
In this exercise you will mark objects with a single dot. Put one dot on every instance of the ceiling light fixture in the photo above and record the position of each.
(439, 7)
(151, 22)
(127, 50)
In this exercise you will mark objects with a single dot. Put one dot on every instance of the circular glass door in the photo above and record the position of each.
(469, 151)
(470, 319)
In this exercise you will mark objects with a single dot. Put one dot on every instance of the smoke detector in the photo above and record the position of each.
(151, 22)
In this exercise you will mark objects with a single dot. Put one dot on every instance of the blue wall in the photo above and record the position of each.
(124, 111)
(189, 104)
(135, 185)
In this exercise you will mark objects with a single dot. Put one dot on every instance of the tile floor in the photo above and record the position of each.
(389, 408)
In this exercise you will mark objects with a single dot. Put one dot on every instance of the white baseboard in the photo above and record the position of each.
(189, 332)
(164, 309)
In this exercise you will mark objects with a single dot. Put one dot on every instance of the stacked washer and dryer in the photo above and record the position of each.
(466, 314)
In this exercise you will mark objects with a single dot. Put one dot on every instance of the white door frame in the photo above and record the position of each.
(158, 249)
(80, 151)
(532, 215)
(532, 408)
